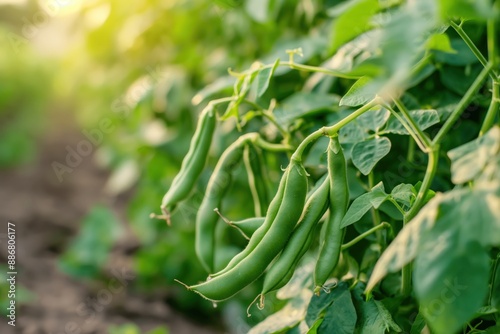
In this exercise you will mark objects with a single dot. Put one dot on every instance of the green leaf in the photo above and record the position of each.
(375, 318)
(440, 42)
(424, 119)
(303, 104)
(451, 279)
(461, 57)
(286, 318)
(366, 154)
(363, 204)
(315, 326)
(418, 324)
(468, 160)
(465, 9)
(403, 249)
(318, 305)
(340, 317)
(361, 128)
(89, 251)
(471, 212)
(359, 93)
(354, 20)
(403, 193)
(459, 79)
(264, 77)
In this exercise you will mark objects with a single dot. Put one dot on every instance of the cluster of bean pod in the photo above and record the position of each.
(277, 241)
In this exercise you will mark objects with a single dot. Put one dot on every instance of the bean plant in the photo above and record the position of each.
(374, 174)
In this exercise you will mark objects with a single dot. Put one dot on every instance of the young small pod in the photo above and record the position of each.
(192, 164)
(247, 227)
(254, 264)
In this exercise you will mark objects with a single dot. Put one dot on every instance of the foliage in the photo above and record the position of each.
(394, 77)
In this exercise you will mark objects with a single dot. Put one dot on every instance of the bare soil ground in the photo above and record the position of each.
(47, 215)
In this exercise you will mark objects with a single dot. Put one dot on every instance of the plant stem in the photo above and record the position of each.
(365, 234)
(489, 120)
(426, 183)
(270, 146)
(410, 156)
(473, 48)
(408, 128)
(464, 102)
(493, 110)
(421, 135)
(374, 212)
(331, 130)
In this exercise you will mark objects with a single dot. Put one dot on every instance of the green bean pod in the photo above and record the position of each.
(206, 217)
(252, 266)
(330, 247)
(297, 245)
(247, 227)
(289, 274)
(256, 178)
(193, 163)
(257, 236)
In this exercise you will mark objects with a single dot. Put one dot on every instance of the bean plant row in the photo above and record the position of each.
(420, 257)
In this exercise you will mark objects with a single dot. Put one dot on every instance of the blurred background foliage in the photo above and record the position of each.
(140, 65)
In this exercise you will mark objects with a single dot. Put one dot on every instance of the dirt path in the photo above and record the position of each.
(47, 215)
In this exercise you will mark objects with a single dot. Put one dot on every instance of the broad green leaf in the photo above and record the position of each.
(440, 42)
(352, 133)
(465, 9)
(403, 193)
(264, 77)
(354, 20)
(374, 119)
(418, 324)
(472, 212)
(281, 321)
(366, 154)
(459, 79)
(318, 305)
(461, 57)
(403, 249)
(362, 127)
(451, 279)
(303, 104)
(359, 93)
(374, 318)
(363, 204)
(315, 326)
(340, 317)
(352, 56)
(90, 249)
(468, 160)
(424, 119)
